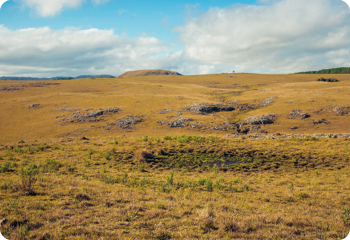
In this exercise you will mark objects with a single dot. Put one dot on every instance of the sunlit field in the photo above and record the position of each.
(133, 158)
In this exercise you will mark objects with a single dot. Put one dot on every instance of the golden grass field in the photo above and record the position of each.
(157, 182)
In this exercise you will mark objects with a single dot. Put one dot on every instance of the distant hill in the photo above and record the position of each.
(341, 70)
(155, 72)
(56, 78)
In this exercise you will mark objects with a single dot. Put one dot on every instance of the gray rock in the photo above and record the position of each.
(32, 105)
(129, 121)
(166, 111)
(259, 119)
(268, 101)
(202, 108)
(9, 88)
(161, 122)
(298, 112)
(95, 120)
(178, 123)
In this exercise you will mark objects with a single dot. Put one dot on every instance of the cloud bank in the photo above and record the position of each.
(277, 37)
(50, 8)
(284, 36)
(2, 1)
(74, 51)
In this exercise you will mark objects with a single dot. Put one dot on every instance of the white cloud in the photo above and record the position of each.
(283, 36)
(49, 8)
(2, 1)
(46, 52)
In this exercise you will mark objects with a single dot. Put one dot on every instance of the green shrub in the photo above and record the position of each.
(28, 178)
(42, 147)
(170, 179)
(107, 156)
(209, 185)
(51, 165)
(5, 168)
(201, 181)
(167, 137)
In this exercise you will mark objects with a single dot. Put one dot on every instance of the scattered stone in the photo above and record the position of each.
(259, 119)
(304, 115)
(341, 111)
(9, 88)
(129, 121)
(254, 129)
(174, 124)
(2, 221)
(234, 101)
(160, 224)
(319, 121)
(95, 120)
(202, 108)
(268, 101)
(81, 118)
(292, 127)
(61, 116)
(265, 90)
(298, 112)
(161, 122)
(215, 128)
(32, 105)
(244, 107)
(291, 101)
(256, 100)
(84, 138)
(327, 79)
(166, 111)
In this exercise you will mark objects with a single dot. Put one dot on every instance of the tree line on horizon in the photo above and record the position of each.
(340, 70)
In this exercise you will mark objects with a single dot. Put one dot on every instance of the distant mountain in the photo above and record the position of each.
(340, 70)
(155, 72)
(56, 78)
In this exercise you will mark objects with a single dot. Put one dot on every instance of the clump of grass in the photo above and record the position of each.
(6, 167)
(51, 165)
(346, 215)
(142, 155)
(28, 179)
(42, 147)
(303, 195)
(209, 184)
(170, 179)
(159, 152)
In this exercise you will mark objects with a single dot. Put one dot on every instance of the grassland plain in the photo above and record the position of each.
(151, 181)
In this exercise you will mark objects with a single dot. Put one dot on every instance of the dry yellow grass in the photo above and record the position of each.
(94, 189)
(104, 188)
(150, 95)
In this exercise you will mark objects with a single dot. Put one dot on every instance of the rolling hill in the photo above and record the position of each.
(142, 73)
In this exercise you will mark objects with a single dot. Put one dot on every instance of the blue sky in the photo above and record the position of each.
(73, 37)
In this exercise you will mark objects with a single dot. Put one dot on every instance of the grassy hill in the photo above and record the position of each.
(140, 73)
(341, 70)
(146, 158)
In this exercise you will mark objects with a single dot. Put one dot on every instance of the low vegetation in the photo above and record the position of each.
(176, 187)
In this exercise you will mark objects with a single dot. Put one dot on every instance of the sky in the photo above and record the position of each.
(42, 38)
